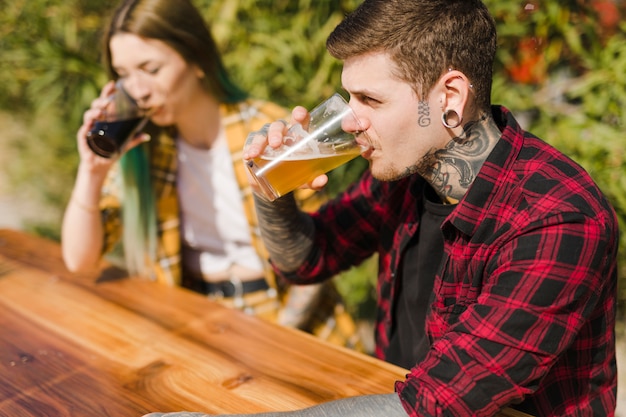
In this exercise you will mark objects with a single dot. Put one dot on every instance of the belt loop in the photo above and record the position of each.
(238, 301)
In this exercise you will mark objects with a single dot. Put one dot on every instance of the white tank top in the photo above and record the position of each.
(212, 214)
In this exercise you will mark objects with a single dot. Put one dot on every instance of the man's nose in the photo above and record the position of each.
(354, 123)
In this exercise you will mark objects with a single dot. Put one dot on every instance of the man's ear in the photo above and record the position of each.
(456, 91)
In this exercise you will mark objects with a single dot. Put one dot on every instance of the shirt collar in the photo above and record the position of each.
(474, 206)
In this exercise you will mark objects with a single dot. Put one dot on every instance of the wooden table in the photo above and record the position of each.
(102, 344)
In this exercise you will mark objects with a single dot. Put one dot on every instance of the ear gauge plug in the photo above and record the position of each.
(446, 115)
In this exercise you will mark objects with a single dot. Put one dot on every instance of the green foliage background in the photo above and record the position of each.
(50, 70)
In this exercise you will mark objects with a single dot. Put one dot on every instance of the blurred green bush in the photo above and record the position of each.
(561, 67)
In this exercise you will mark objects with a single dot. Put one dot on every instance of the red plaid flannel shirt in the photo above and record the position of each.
(524, 301)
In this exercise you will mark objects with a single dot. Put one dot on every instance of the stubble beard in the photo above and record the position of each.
(390, 173)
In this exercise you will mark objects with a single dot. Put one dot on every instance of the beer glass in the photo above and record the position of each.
(121, 119)
(328, 142)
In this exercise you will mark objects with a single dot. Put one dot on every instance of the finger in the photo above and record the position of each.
(81, 135)
(103, 99)
(301, 115)
(318, 182)
(255, 142)
(276, 133)
(97, 164)
(107, 90)
(135, 141)
(270, 134)
(91, 115)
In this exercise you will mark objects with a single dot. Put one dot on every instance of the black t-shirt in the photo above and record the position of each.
(408, 340)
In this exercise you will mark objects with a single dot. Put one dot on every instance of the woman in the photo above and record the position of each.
(180, 192)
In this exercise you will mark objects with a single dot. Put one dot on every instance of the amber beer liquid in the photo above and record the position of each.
(295, 171)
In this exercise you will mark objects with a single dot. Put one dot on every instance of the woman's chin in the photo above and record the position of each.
(160, 120)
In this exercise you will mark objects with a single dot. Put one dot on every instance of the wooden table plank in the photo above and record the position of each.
(38, 367)
(85, 344)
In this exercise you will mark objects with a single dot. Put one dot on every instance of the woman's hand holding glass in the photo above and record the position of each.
(89, 159)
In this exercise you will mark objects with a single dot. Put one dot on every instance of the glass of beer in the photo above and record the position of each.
(121, 119)
(306, 153)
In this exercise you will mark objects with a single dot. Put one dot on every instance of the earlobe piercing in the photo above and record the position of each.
(447, 114)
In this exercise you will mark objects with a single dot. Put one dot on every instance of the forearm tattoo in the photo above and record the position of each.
(286, 231)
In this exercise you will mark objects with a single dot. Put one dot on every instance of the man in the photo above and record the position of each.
(497, 254)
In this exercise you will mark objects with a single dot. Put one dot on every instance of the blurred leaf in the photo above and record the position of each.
(574, 95)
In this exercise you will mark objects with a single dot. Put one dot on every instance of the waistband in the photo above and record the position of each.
(232, 287)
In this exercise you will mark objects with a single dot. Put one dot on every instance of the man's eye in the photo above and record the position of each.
(152, 70)
(368, 100)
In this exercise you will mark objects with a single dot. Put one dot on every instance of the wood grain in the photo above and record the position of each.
(103, 344)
